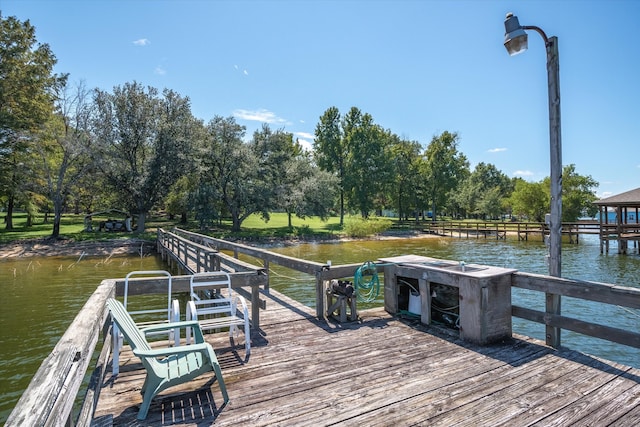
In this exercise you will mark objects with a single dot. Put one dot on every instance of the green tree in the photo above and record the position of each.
(229, 173)
(319, 190)
(278, 156)
(330, 150)
(406, 160)
(311, 191)
(27, 86)
(368, 164)
(91, 193)
(444, 168)
(481, 193)
(177, 201)
(530, 199)
(465, 198)
(145, 142)
(66, 148)
(491, 204)
(578, 194)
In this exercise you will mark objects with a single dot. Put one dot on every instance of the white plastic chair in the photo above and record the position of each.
(214, 305)
(171, 313)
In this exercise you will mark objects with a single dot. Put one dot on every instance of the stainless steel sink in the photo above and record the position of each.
(438, 264)
(465, 268)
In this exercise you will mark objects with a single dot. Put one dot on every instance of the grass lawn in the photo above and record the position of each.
(253, 228)
(72, 226)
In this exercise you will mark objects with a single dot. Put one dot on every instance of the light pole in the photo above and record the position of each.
(515, 40)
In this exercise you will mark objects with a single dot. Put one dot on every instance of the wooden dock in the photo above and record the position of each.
(501, 230)
(379, 371)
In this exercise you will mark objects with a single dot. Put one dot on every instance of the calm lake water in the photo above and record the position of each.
(41, 296)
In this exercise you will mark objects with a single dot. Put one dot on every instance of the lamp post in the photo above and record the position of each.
(515, 40)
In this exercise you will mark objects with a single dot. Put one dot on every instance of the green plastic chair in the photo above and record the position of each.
(166, 367)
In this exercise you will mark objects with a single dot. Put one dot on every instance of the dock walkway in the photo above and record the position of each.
(381, 371)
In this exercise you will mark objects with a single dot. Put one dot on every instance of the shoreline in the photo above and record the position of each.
(67, 247)
(44, 248)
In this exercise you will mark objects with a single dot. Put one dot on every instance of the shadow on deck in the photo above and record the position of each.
(380, 371)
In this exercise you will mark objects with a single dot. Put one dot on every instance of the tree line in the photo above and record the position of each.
(67, 148)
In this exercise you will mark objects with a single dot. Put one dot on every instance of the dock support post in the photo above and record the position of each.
(320, 296)
(266, 268)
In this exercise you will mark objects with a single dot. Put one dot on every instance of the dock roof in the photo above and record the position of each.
(628, 198)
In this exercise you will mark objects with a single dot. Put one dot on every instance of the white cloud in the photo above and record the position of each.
(305, 135)
(306, 145)
(160, 71)
(245, 72)
(523, 173)
(262, 115)
(305, 139)
(141, 42)
(497, 150)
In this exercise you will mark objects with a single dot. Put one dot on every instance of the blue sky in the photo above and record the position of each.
(418, 67)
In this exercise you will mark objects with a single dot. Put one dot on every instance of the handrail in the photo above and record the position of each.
(184, 251)
(592, 291)
(301, 265)
(622, 296)
(194, 257)
(509, 226)
(49, 398)
(323, 272)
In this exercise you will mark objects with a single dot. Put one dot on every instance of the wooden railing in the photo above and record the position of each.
(50, 397)
(322, 272)
(501, 230)
(188, 255)
(591, 291)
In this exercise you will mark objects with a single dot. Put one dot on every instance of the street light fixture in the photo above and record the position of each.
(515, 37)
(515, 41)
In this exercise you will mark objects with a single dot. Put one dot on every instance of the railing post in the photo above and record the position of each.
(266, 268)
(213, 264)
(186, 253)
(319, 295)
(255, 307)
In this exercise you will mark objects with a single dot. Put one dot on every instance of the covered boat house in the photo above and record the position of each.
(618, 217)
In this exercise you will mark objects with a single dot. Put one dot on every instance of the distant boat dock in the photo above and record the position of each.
(504, 229)
(622, 233)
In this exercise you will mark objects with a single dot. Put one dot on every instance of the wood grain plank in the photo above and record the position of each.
(381, 371)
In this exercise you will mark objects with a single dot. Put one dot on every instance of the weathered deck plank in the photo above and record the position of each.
(382, 371)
